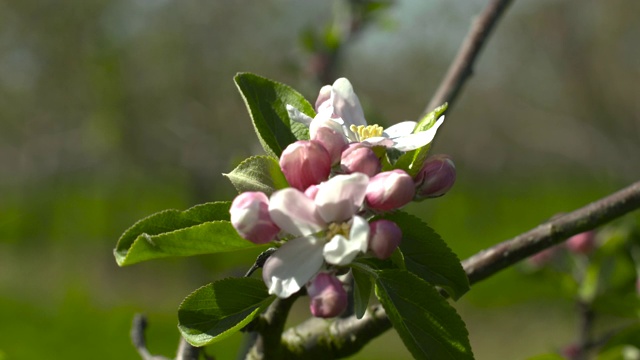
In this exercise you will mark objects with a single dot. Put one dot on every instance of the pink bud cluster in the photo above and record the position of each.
(306, 164)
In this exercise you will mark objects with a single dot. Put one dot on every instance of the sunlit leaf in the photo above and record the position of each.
(428, 256)
(267, 102)
(202, 229)
(258, 173)
(429, 327)
(216, 311)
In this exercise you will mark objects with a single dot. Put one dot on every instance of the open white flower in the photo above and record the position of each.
(327, 229)
(339, 103)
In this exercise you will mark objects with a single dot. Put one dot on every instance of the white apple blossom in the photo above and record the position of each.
(327, 229)
(339, 104)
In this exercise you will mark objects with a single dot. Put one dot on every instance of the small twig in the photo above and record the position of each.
(462, 66)
(138, 327)
(585, 325)
(187, 351)
(477, 267)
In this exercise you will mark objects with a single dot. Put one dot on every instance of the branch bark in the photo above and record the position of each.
(327, 340)
(462, 66)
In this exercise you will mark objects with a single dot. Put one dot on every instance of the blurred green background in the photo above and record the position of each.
(113, 110)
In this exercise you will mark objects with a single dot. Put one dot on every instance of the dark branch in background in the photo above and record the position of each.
(349, 340)
(137, 337)
(185, 350)
(462, 66)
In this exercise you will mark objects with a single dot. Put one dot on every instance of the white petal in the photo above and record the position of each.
(359, 233)
(294, 212)
(417, 140)
(298, 116)
(341, 196)
(346, 103)
(340, 250)
(292, 266)
(323, 120)
(399, 129)
(379, 141)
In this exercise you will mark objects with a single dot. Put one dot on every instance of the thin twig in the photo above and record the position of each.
(138, 327)
(478, 267)
(462, 66)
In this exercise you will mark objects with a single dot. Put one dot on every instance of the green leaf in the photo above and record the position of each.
(429, 327)
(202, 229)
(412, 161)
(258, 173)
(215, 311)
(267, 102)
(361, 291)
(428, 256)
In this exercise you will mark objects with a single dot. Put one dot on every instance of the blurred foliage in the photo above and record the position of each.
(114, 110)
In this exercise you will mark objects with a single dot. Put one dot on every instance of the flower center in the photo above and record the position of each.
(338, 229)
(364, 132)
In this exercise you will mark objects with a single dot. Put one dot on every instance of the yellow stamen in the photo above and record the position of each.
(338, 229)
(364, 132)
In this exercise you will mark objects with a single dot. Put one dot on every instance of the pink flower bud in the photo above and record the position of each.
(360, 158)
(329, 133)
(543, 257)
(390, 190)
(384, 238)
(328, 297)
(250, 217)
(582, 243)
(305, 163)
(437, 176)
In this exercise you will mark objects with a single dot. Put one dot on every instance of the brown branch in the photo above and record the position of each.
(186, 351)
(477, 267)
(507, 253)
(462, 66)
(269, 327)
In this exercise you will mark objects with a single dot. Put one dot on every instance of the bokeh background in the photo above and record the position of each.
(113, 110)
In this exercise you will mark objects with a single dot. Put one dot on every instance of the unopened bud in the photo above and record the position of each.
(543, 257)
(305, 163)
(322, 103)
(582, 243)
(250, 217)
(329, 133)
(328, 297)
(384, 238)
(360, 158)
(437, 176)
(390, 190)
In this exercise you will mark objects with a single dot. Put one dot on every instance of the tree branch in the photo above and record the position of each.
(185, 351)
(353, 334)
(269, 327)
(462, 66)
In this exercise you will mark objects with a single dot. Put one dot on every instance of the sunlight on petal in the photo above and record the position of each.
(417, 140)
(359, 233)
(294, 212)
(341, 251)
(400, 129)
(292, 266)
(340, 197)
(298, 116)
(346, 103)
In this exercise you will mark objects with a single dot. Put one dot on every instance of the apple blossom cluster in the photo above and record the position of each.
(323, 221)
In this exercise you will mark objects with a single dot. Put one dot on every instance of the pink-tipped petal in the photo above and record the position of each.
(340, 197)
(294, 212)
